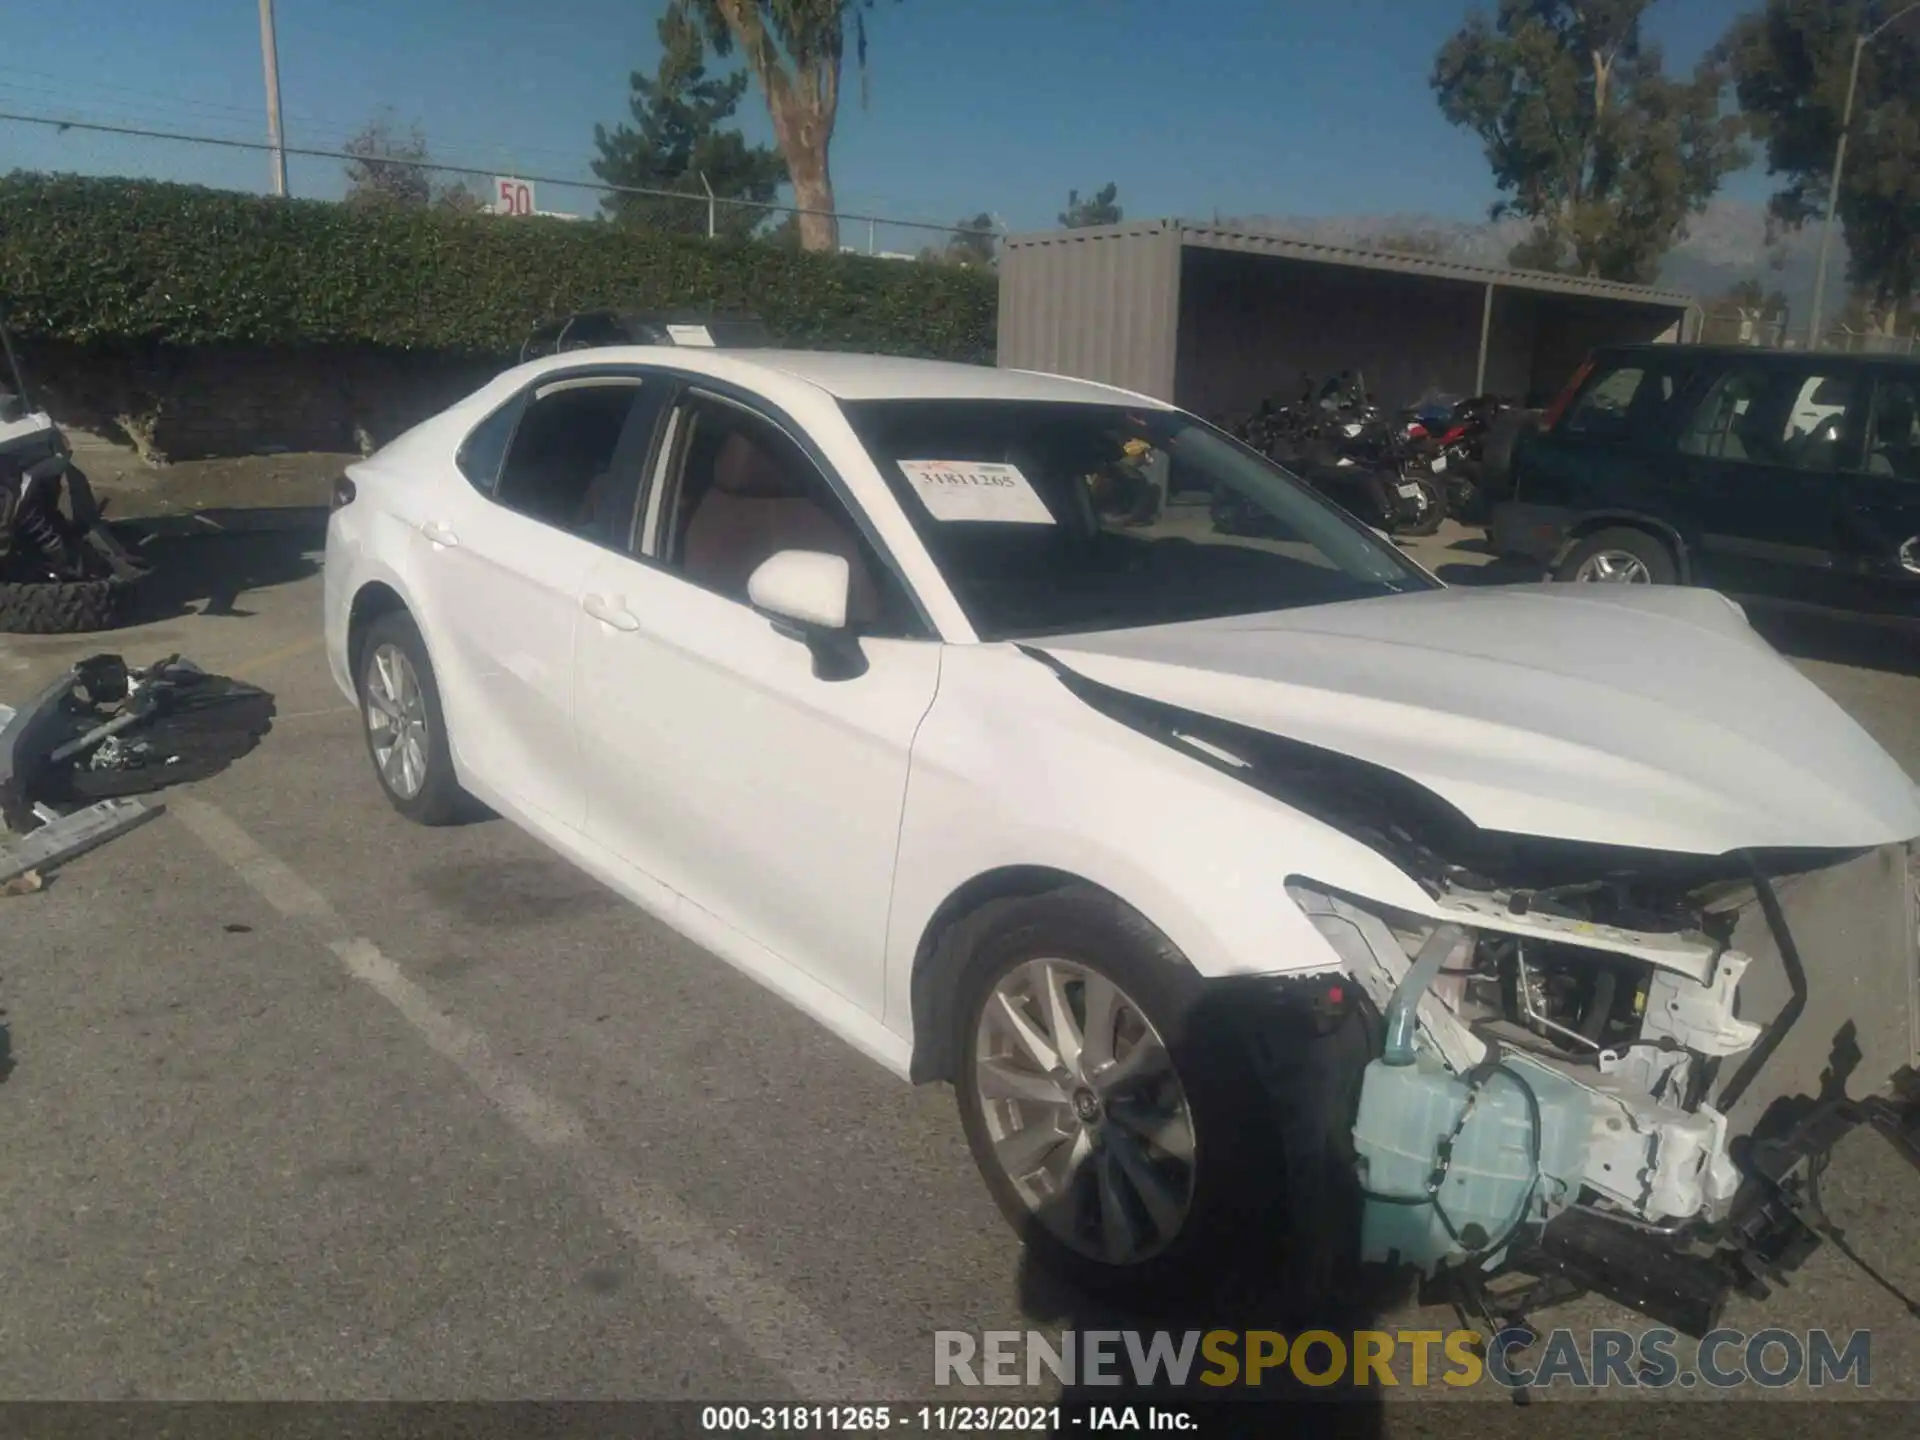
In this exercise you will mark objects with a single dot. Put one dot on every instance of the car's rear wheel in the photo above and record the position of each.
(1122, 1138)
(405, 726)
(1619, 557)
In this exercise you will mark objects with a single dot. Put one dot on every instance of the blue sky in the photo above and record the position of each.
(1294, 107)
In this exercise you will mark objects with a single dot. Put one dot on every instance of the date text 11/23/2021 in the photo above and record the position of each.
(943, 1419)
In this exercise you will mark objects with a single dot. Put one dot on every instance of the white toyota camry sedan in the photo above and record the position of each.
(1259, 895)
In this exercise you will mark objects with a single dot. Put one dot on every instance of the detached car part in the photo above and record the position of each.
(105, 730)
(66, 837)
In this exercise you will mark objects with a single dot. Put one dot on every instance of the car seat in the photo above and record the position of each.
(754, 508)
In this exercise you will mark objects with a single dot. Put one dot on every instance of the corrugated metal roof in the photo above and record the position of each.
(1259, 242)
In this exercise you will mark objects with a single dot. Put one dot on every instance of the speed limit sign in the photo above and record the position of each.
(511, 196)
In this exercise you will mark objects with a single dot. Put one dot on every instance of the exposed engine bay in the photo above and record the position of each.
(1619, 1071)
(1650, 1100)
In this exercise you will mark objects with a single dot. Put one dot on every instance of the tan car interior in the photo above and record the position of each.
(744, 505)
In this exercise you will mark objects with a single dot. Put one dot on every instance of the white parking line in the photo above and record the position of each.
(779, 1328)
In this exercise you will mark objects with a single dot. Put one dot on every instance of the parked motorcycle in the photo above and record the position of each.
(1449, 439)
(1336, 439)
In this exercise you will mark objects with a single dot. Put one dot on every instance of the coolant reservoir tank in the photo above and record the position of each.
(1406, 1110)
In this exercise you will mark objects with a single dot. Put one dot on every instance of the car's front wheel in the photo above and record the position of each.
(1119, 1133)
(1619, 557)
(405, 726)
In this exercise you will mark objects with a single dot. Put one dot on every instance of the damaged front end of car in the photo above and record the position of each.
(1624, 1086)
(1601, 1070)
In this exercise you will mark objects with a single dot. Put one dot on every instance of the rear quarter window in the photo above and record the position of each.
(481, 453)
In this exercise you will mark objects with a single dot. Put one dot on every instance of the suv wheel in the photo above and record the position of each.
(1619, 557)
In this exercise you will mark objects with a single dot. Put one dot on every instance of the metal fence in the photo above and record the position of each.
(1738, 325)
(1870, 342)
(315, 171)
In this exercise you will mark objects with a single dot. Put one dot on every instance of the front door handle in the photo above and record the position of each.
(440, 533)
(609, 612)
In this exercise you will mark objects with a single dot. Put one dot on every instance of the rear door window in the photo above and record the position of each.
(1624, 400)
(575, 456)
(1776, 416)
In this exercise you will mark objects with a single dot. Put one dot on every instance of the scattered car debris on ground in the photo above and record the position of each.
(72, 760)
(66, 837)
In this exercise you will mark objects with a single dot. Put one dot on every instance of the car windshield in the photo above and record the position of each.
(1050, 517)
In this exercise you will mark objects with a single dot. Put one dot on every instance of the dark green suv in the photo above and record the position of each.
(1786, 476)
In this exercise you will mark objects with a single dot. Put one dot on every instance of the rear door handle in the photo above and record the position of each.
(440, 533)
(609, 612)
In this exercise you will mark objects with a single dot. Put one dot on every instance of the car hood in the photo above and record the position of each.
(1652, 717)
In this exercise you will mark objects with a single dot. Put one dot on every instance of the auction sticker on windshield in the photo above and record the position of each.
(976, 490)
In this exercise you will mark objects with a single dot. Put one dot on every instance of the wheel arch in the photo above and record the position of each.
(1662, 530)
(937, 962)
(372, 601)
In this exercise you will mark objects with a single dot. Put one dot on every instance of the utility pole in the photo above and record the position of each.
(1860, 44)
(270, 59)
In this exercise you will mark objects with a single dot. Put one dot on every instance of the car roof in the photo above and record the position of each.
(1760, 355)
(848, 376)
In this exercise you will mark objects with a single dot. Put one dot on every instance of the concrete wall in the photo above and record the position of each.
(224, 401)
(1251, 325)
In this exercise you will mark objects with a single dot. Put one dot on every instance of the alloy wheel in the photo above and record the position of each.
(1085, 1111)
(1614, 567)
(397, 721)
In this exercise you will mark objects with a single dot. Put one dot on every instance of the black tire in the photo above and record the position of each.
(1235, 1214)
(440, 799)
(63, 607)
(1433, 505)
(1650, 550)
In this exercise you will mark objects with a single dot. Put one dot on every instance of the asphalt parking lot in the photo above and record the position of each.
(310, 1103)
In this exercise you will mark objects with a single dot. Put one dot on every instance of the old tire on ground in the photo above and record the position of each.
(404, 725)
(1145, 1163)
(63, 607)
(1620, 556)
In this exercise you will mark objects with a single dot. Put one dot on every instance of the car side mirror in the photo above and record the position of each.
(805, 594)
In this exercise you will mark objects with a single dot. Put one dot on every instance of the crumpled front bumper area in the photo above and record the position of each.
(1668, 1172)
(1852, 932)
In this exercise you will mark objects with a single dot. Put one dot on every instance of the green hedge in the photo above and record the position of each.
(128, 261)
